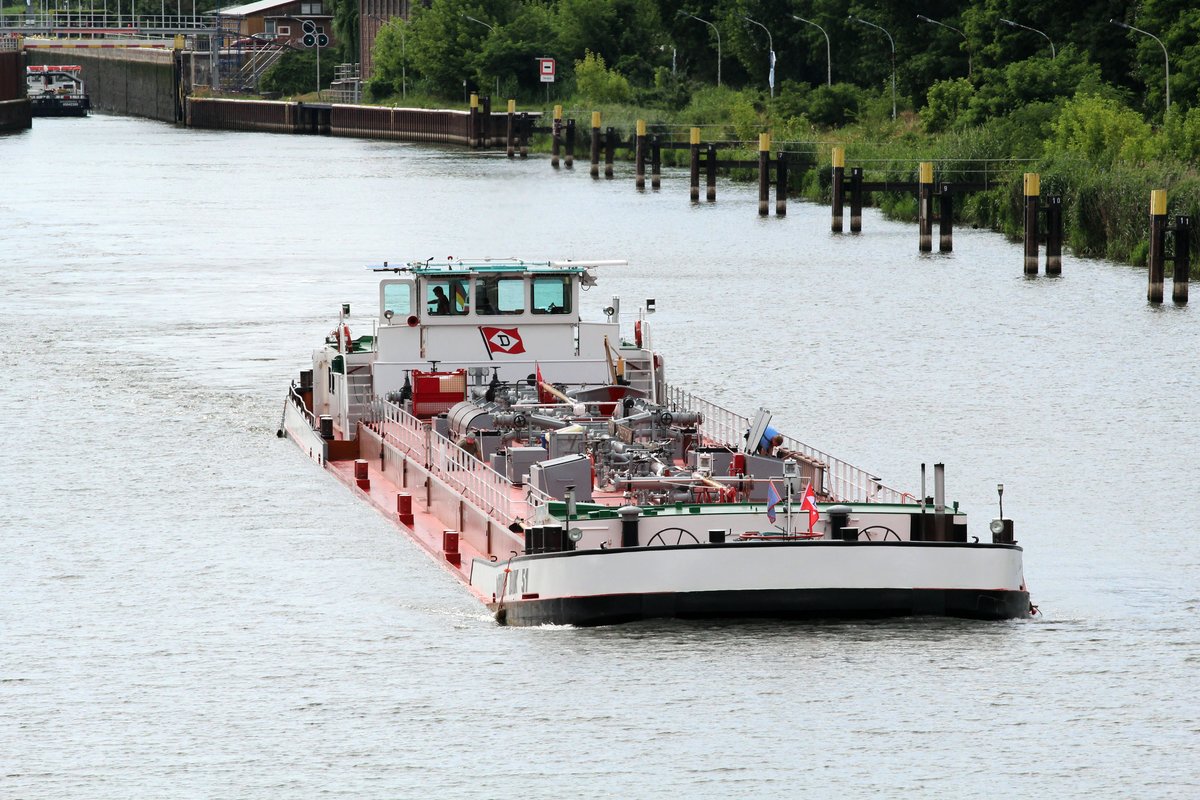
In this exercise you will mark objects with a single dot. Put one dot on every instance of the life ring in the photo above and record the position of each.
(347, 342)
(637, 333)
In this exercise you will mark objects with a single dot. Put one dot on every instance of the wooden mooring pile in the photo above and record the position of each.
(479, 127)
(1043, 218)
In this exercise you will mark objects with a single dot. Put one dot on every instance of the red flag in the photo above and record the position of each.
(502, 340)
(810, 502)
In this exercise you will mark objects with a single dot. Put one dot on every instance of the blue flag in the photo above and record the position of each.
(772, 500)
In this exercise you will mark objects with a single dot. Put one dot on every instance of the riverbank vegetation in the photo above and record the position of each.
(990, 88)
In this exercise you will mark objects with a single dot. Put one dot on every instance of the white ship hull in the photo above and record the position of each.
(784, 579)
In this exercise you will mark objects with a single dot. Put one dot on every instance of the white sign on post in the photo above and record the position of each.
(546, 69)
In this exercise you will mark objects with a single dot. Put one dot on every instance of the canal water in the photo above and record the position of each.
(189, 608)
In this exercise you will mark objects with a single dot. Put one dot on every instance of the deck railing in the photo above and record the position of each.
(843, 481)
(478, 482)
(489, 490)
(402, 429)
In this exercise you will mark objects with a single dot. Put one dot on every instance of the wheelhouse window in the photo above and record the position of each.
(552, 294)
(449, 297)
(397, 298)
(499, 294)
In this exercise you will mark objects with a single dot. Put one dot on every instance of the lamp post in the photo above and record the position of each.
(924, 18)
(893, 44)
(491, 29)
(1166, 58)
(771, 49)
(828, 50)
(1010, 23)
(682, 13)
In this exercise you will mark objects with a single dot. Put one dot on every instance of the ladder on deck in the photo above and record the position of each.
(639, 371)
(359, 393)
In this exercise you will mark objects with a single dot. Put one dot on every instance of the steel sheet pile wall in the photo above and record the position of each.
(242, 115)
(14, 105)
(403, 124)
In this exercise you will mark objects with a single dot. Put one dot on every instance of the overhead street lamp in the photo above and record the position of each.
(682, 13)
(828, 50)
(924, 18)
(1010, 23)
(1160, 44)
(893, 43)
(491, 29)
(771, 48)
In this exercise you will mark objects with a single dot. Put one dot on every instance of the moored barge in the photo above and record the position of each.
(57, 91)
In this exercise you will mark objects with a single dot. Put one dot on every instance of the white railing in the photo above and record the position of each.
(402, 429)
(719, 424)
(476, 481)
(844, 481)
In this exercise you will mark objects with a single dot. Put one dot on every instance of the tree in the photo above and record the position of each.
(1177, 24)
(345, 29)
(510, 52)
(627, 34)
(443, 46)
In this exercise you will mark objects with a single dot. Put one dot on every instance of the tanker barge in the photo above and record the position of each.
(547, 463)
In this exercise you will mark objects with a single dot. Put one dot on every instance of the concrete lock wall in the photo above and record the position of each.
(139, 83)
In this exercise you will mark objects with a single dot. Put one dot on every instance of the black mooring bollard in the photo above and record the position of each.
(1158, 242)
(610, 151)
(1183, 259)
(474, 136)
(1033, 188)
(694, 166)
(570, 143)
(510, 129)
(781, 183)
(925, 207)
(856, 199)
(946, 219)
(1054, 235)
(595, 167)
(639, 155)
(837, 190)
(764, 174)
(710, 173)
(556, 137)
(524, 132)
(655, 162)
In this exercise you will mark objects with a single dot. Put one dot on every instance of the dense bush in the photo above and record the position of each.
(595, 83)
(296, 73)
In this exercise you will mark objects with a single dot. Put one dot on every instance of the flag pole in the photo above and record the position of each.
(790, 472)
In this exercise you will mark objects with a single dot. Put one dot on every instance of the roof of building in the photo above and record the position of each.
(247, 9)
